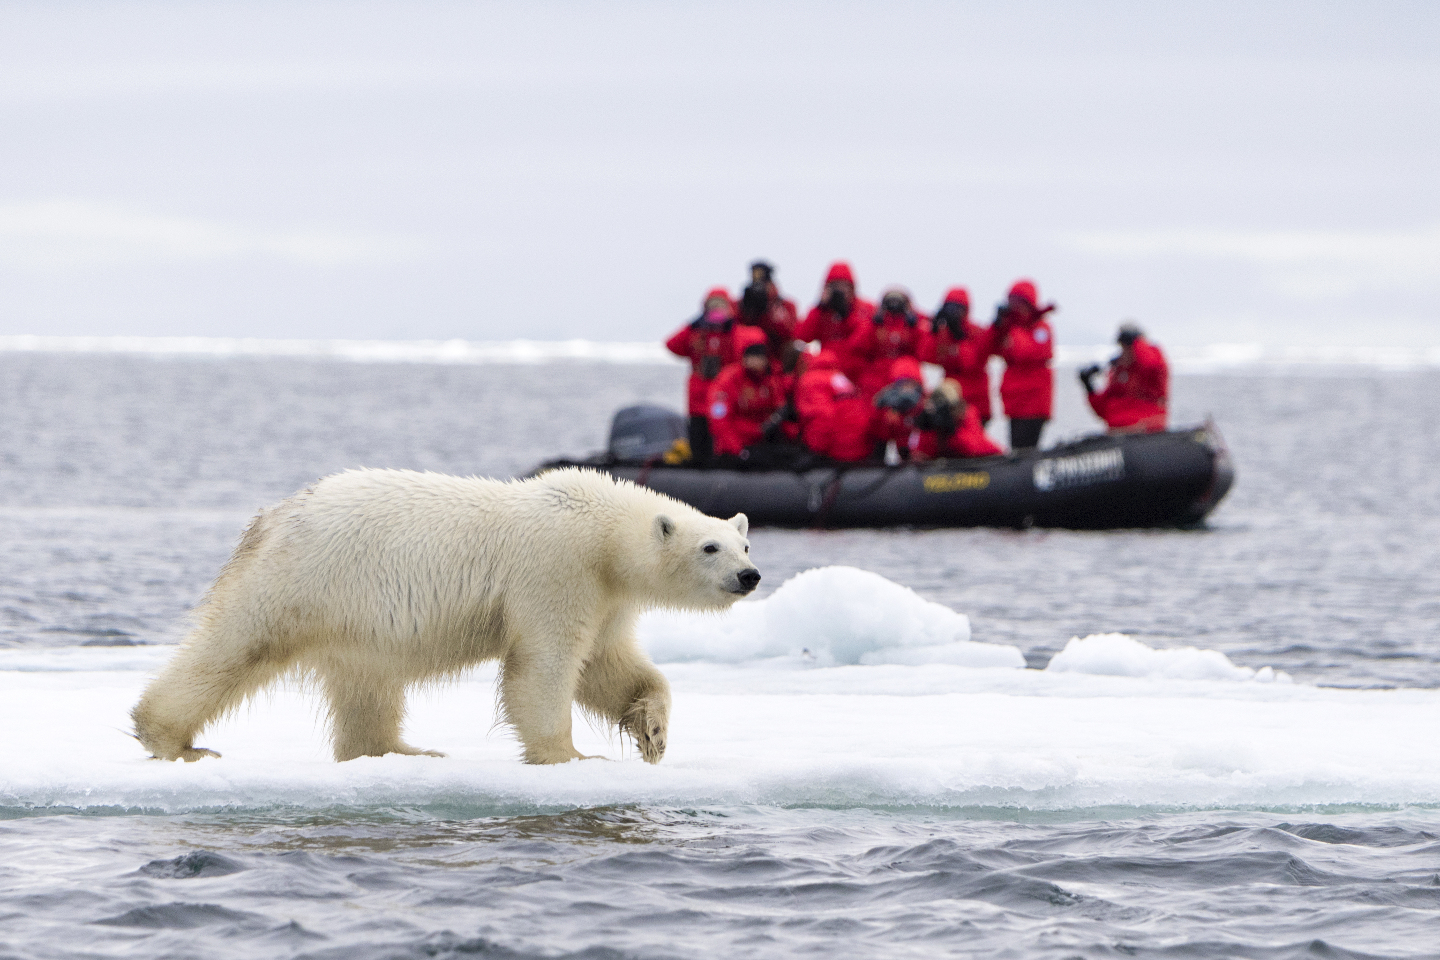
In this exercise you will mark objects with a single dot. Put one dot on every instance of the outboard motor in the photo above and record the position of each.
(639, 433)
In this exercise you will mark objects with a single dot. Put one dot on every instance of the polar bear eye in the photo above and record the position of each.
(747, 548)
(711, 548)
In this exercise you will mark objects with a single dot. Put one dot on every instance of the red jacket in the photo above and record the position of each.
(965, 358)
(708, 347)
(834, 420)
(834, 331)
(968, 440)
(1028, 386)
(778, 319)
(1136, 394)
(739, 405)
(875, 347)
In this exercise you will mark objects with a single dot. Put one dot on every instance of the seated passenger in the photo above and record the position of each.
(762, 306)
(892, 419)
(708, 343)
(963, 349)
(839, 313)
(1137, 389)
(834, 419)
(950, 427)
(743, 400)
(896, 330)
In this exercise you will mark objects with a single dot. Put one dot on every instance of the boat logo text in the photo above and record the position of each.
(951, 482)
(1080, 470)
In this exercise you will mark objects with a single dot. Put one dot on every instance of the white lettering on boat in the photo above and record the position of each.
(1080, 470)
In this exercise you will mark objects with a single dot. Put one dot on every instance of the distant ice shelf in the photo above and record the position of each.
(1215, 358)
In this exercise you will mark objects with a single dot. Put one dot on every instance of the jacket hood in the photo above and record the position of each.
(1025, 290)
(839, 270)
(718, 292)
(957, 295)
(747, 337)
(906, 368)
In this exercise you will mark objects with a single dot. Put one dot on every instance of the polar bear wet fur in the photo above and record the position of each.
(372, 581)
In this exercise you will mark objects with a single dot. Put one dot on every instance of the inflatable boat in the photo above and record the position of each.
(1170, 479)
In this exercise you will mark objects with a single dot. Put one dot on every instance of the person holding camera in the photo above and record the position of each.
(840, 312)
(963, 349)
(896, 406)
(895, 330)
(950, 427)
(834, 419)
(762, 306)
(1137, 387)
(708, 343)
(1022, 336)
(745, 398)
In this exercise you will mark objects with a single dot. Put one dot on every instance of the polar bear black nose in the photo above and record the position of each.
(748, 578)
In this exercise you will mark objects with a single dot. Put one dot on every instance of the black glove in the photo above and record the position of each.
(950, 317)
(754, 301)
(1088, 375)
(771, 429)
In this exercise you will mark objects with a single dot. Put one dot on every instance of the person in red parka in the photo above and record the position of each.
(892, 419)
(949, 427)
(1137, 388)
(840, 312)
(708, 342)
(895, 330)
(742, 400)
(762, 306)
(834, 418)
(963, 349)
(1022, 336)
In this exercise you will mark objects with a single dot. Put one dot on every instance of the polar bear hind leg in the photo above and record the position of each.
(366, 710)
(210, 675)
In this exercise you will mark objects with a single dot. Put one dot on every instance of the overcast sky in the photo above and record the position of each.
(1222, 172)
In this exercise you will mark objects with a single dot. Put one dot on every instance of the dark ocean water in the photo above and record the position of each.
(125, 481)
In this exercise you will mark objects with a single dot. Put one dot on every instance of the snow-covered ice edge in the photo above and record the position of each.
(912, 714)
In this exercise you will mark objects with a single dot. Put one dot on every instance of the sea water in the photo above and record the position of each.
(1213, 743)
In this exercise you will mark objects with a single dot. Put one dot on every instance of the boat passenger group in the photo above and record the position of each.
(845, 382)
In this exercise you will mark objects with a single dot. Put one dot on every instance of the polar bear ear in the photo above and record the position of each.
(741, 523)
(664, 527)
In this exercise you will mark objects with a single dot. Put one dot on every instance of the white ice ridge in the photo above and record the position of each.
(1217, 357)
(360, 351)
(825, 617)
(1116, 655)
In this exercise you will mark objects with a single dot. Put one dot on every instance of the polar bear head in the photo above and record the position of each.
(705, 562)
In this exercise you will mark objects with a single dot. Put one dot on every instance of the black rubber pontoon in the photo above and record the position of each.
(1171, 479)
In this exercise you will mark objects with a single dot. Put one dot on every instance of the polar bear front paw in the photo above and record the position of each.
(191, 754)
(647, 721)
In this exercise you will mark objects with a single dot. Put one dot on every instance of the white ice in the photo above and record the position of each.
(827, 616)
(1190, 730)
(1116, 655)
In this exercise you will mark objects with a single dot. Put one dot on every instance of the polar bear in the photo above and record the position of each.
(374, 580)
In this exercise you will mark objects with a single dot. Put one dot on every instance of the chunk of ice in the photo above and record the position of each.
(829, 616)
(1116, 655)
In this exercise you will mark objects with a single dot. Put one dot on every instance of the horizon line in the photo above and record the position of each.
(1211, 358)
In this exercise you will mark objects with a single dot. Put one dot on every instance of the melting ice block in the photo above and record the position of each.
(1116, 655)
(828, 616)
